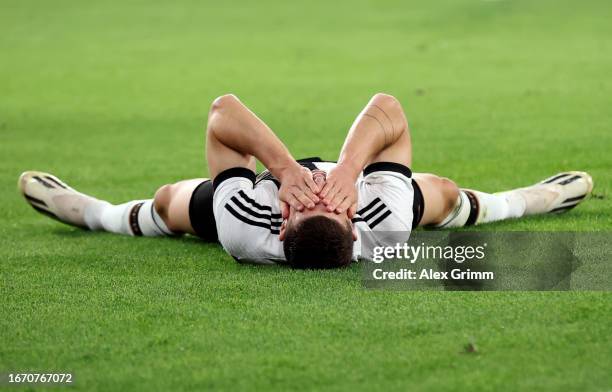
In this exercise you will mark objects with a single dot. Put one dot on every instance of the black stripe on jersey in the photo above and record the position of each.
(373, 209)
(366, 208)
(35, 200)
(371, 215)
(231, 173)
(249, 221)
(311, 159)
(267, 176)
(257, 205)
(254, 213)
(309, 165)
(380, 219)
(387, 166)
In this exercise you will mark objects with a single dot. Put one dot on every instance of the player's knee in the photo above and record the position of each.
(450, 193)
(162, 200)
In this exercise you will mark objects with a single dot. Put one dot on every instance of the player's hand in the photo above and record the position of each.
(339, 193)
(297, 190)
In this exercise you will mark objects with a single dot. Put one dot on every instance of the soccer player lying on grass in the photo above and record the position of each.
(310, 214)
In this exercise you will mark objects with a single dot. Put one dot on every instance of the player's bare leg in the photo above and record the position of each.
(166, 214)
(448, 206)
(439, 195)
(172, 204)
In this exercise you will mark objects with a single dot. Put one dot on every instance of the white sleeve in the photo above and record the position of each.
(384, 212)
(248, 222)
(385, 197)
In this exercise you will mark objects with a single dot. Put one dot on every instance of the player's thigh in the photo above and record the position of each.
(172, 204)
(439, 195)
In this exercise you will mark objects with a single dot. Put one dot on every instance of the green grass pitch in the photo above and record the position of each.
(113, 97)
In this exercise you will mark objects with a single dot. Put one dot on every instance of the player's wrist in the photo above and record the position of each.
(287, 169)
(348, 168)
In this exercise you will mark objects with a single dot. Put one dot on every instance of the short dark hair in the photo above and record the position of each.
(318, 242)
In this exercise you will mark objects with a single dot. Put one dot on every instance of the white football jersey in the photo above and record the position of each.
(248, 216)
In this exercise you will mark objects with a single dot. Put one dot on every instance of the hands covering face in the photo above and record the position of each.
(339, 193)
(302, 188)
(297, 190)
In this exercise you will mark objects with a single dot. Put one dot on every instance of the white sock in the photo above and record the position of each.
(499, 206)
(474, 207)
(136, 218)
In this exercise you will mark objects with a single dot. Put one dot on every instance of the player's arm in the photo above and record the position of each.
(235, 136)
(378, 134)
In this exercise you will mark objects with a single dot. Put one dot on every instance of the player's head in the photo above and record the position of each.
(316, 238)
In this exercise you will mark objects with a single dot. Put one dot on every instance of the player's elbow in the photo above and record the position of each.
(223, 103)
(386, 101)
(392, 109)
(219, 110)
